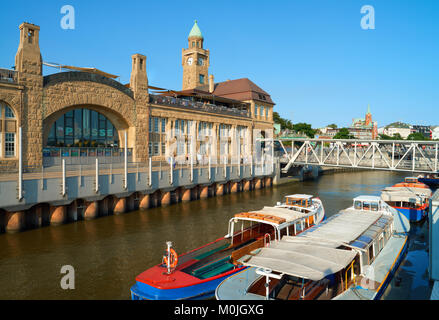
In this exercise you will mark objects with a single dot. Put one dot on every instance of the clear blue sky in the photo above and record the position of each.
(312, 56)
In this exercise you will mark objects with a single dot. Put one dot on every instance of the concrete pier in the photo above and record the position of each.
(119, 206)
(91, 210)
(144, 202)
(14, 221)
(57, 215)
(204, 192)
(84, 199)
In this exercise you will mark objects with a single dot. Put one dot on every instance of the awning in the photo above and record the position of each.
(301, 260)
(344, 227)
(287, 214)
(424, 192)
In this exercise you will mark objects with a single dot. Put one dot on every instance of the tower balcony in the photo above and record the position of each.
(8, 76)
(197, 105)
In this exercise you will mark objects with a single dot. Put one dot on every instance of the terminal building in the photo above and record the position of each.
(84, 112)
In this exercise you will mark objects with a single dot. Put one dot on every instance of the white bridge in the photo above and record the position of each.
(390, 155)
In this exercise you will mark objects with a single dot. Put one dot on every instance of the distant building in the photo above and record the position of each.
(425, 130)
(361, 128)
(364, 128)
(435, 133)
(391, 131)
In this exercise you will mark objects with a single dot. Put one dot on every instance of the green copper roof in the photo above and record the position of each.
(195, 31)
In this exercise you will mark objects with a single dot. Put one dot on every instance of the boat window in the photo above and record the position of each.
(291, 230)
(364, 259)
(357, 205)
(370, 253)
(374, 206)
(366, 205)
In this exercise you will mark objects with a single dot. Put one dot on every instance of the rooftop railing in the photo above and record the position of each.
(196, 105)
(7, 75)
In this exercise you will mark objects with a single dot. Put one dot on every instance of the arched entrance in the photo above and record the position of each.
(82, 133)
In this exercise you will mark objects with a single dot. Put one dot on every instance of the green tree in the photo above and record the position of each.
(332, 125)
(416, 136)
(304, 128)
(344, 133)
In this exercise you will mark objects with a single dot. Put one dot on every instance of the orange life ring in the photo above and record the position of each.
(173, 258)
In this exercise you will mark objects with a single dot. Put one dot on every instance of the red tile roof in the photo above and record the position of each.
(241, 89)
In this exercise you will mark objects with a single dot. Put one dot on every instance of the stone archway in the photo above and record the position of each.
(118, 121)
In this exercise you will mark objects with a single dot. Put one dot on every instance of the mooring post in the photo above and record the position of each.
(20, 165)
(150, 172)
(97, 176)
(63, 188)
(125, 183)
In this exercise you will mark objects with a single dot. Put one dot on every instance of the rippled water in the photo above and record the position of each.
(108, 253)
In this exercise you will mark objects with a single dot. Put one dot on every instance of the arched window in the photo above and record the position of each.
(8, 130)
(83, 128)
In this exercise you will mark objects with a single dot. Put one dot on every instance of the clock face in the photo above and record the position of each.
(190, 60)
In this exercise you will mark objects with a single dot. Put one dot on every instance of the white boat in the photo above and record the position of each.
(351, 255)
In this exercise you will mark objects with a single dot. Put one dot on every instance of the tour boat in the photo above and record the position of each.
(431, 180)
(196, 274)
(410, 197)
(351, 255)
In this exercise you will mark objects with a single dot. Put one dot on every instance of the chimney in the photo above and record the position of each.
(211, 84)
(139, 79)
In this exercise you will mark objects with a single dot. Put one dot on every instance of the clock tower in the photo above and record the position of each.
(195, 61)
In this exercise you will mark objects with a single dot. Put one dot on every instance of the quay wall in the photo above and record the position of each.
(72, 196)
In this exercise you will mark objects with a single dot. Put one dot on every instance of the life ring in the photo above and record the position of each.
(173, 258)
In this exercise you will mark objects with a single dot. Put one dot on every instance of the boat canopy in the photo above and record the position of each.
(423, 192)
(299, 196)
(402, 195)
(273, 214)
(345, 227)
(308, 261)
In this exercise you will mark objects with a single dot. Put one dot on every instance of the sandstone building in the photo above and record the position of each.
(86, 113)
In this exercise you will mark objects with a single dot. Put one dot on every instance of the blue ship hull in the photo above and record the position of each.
(431, 182)
(413, 215)
(203, 290)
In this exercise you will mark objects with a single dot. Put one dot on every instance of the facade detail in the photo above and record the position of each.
(84, 111)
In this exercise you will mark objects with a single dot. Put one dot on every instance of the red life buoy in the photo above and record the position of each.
(173, 258)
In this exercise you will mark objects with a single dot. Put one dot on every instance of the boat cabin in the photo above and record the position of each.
(299, 200)
(411, 180)
(368, 203)
(271, 223)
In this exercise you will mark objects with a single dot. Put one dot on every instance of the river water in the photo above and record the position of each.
(108, 253)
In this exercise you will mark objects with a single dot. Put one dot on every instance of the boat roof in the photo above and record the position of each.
(344, 227)
(301, 260)
(299, 196)
(408, 190)
(267, 213)
(367, 198)
(314, 253)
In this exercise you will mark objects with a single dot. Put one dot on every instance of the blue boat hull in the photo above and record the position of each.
(413, 215)
(434, 183)
(204, 290)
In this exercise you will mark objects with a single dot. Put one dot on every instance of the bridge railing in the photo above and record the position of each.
(399, 155)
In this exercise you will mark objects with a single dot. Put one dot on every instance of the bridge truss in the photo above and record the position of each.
(390, 155)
